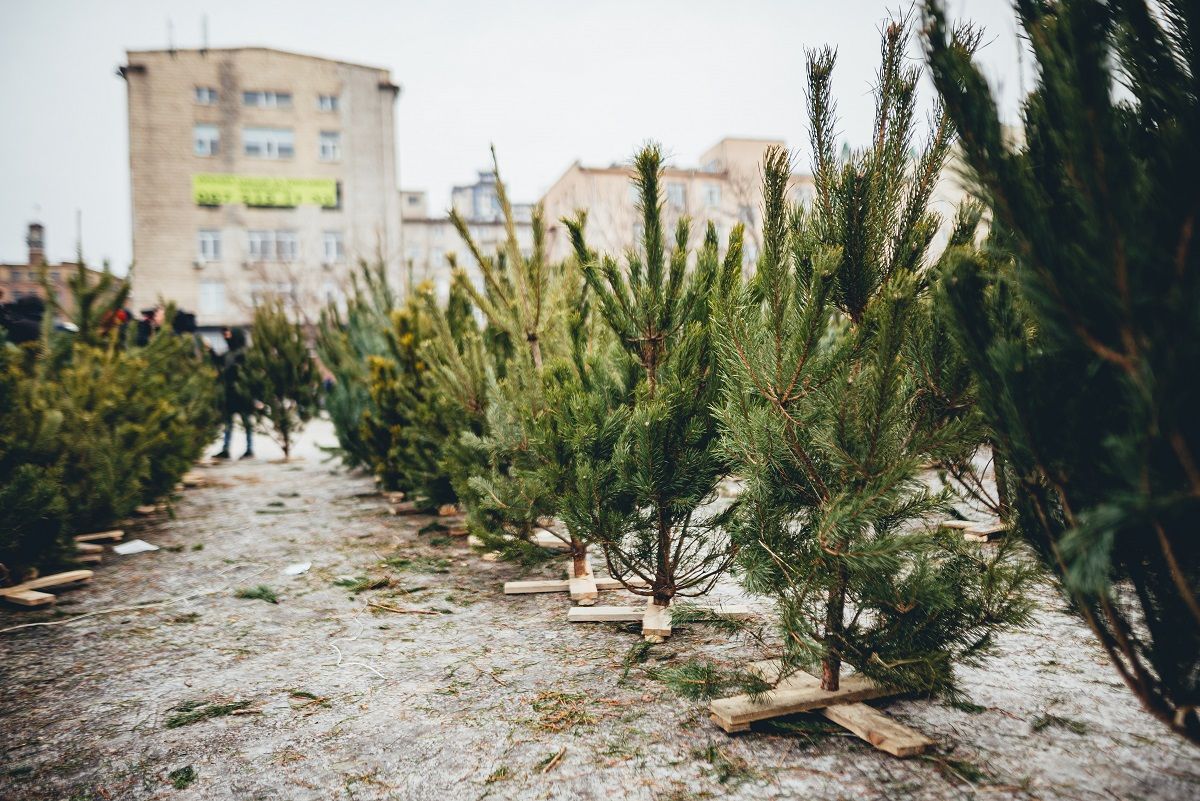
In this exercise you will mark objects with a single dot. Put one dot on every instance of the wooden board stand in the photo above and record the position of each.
(801, 692)
(655, 619)
(975, 530)
(116, 535)
(405, 508)
(27, 593)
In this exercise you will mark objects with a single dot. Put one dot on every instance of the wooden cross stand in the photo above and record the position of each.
(28, 593)
(975, 531)
(655, 619)
(801, 692)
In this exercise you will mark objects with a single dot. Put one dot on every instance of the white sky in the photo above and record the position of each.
(549, 81)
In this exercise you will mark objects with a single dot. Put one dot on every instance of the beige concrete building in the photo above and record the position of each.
(257, 172)
(429, 240)
(726, 188)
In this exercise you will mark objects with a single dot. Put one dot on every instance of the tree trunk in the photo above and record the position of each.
(1001, 484)
(831, 663)
(578, 557)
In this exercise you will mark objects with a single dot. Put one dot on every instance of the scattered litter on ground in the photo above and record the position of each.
(298, 569)
(132, 547)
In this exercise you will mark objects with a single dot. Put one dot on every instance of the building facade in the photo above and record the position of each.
(429, 241)
(257, 173)
(18, 281)
(725, 189)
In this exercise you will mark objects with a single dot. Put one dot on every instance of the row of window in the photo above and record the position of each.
(33, 275)
(676, 193)
(209, 96)
(265, 143)
(268, 245)
(212, 297)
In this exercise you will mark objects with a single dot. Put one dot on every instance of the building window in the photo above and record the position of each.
(332, 243)
(206, 139)
(212, 298)
(269, 143)
(287, 246)
(675, 194)
(208, 245)
(712, 195)
(206, 96)
(327, 102)
(330, 148)
(272, 245)
(267, 99)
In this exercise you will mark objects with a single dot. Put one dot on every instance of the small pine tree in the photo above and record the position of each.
(1085, 342)
(280, 373)
(820, 412)
(345, 343)
(648, 511)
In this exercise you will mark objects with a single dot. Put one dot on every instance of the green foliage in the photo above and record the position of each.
(279, 371)
(824, 416)
(259, 593)
(645, 489)
(411, 427)
(345, 343)
(88, 432)
(1085, 342)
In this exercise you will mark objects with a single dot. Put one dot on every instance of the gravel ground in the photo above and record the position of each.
(322, 696)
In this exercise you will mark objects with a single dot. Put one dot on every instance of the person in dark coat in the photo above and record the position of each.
(235, 400)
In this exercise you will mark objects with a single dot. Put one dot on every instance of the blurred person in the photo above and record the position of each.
(236, 400)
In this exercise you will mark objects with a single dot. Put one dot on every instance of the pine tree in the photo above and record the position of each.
(1085, 343)
(280, 373)
(820, 412)
(345, 342)
(411, 425)
(527, 302)
(648, 493)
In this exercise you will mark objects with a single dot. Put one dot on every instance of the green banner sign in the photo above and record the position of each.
(218, 189)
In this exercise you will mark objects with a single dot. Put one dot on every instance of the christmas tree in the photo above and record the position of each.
(280, 374)
(1085, 342)
(646, 507)
(820, 412)
(345, 342)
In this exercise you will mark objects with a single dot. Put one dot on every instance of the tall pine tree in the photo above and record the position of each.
(647, 509)
(1085, 344)
(819, 411)
(281, 374)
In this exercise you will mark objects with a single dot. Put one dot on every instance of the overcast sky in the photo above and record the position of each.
(548, 81)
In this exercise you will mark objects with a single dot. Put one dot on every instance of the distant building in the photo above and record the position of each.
(257, 172)
(428, 240)
(725, 189)
(25, 280)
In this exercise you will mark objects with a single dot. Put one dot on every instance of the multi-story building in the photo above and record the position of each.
(257, 172)
(725, 189)
(429, 241)
(19, 281)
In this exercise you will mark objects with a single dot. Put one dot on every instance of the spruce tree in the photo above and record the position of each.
(280, 374)
(1085, 342)
(647, 511)
(820, 413)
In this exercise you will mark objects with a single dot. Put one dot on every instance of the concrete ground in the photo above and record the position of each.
(395, 668)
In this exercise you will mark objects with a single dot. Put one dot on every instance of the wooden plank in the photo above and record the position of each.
(960, 524)
(29, 598)
(405, 508)
(582, 589)
(742, 709)
(54, 580)
(866, 722)
(526, 587)
(545, 539)
(88, 547)
(985, 533)
(605, 614)
(89, 558)
(116, 535)
(656, 622)
(149, 509)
